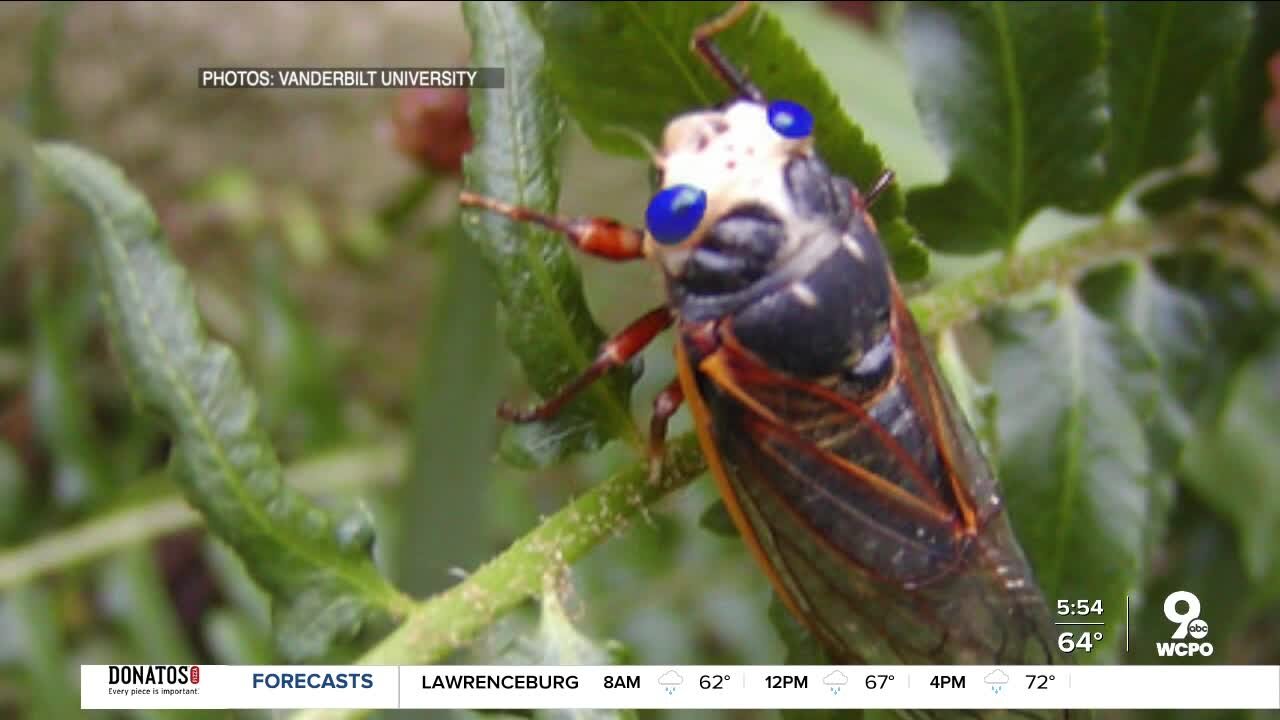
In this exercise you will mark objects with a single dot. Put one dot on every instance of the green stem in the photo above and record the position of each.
(451, 619)
(333, 472)
(1234, 233)
(962, 299)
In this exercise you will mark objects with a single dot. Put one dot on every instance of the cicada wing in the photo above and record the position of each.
(966, 614)
(1001, 556)
(878, 524)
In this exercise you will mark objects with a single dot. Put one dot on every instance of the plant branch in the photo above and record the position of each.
(451, 619)
(350, 469)
(1233, 232)
(454, 617)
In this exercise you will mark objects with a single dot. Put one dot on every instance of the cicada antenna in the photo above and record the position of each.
(720, 65)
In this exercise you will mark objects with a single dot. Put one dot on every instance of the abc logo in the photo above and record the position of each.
(1182, 608)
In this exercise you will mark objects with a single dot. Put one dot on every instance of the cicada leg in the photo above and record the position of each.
(602, 237)
(609, 239)
(664, 406)
(614, 353)
(720, 65)
(882, 183)
(863, 202)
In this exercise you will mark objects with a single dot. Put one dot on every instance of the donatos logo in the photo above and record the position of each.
(153, 675)
(1182, 608)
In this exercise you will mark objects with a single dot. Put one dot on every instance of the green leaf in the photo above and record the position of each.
(35, 623)
(61, 404)
(233, 639)
(14, 179)
(563, 644)
(40, 109)
(1239, 93)
(1074, 461)
(301, 403)
(15, 495)
(716, 519)
(1172, 194)
(548, 326)
(877, 96)
(554, 640)
(442, 521)
(802, 647)
(1014, 94)
(1201, 556)
(134, 595)
(323, 589)
(1241, 313)
(238, 590)
(1233, 465)
(1173, 329)
(1162, 57)
(625, 69)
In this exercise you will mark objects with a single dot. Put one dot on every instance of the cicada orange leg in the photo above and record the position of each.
(612, 240)
(616, 352)
(599, 236)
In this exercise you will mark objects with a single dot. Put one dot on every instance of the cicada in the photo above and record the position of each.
(841, 456)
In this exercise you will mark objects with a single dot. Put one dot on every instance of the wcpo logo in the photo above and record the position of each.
(1183, 609)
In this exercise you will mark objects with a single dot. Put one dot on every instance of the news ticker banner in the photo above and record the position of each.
(329, 78)
(509, 687)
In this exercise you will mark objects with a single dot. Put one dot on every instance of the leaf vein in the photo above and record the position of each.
(678, 58)
(545, 286)
(1158, 56)
(1016, 126)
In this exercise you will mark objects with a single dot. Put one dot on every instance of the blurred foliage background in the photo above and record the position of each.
(318, 229)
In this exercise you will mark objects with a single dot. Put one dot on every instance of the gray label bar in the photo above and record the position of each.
(352, 78)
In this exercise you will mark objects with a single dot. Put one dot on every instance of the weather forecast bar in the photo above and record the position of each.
(681, 687)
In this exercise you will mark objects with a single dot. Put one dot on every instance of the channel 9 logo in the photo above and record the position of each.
(1182, 608)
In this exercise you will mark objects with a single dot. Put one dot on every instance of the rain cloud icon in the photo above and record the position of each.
(996, 679)
(669, 680)
(835, 677)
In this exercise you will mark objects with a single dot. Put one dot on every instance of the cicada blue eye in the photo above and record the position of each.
(790, 119)
(675, 212)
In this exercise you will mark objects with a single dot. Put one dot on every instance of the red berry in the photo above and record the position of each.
(432, 127)
(864, 13)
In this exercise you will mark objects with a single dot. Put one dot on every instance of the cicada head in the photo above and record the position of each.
(728, 165)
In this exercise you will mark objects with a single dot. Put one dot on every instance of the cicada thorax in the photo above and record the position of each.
(811, 305)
